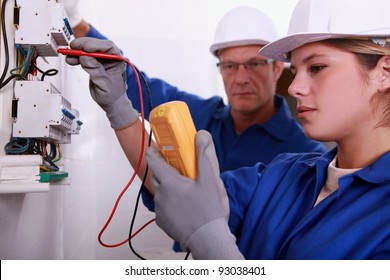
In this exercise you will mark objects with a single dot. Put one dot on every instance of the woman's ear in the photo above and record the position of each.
(384, 76)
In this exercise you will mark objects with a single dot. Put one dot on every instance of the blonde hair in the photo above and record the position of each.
(368, 54)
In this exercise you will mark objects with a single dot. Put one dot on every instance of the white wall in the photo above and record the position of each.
(169, 39)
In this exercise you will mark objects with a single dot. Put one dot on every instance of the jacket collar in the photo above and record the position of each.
(281, 119)
(376, 173)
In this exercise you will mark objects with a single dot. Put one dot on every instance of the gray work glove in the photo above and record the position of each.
(194, 212)
(107, 80)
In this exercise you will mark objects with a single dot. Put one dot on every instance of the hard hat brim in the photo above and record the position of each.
(238, 43)
(279, 49)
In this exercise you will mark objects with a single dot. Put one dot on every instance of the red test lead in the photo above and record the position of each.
(72, 52)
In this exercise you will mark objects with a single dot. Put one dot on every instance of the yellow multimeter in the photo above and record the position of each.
(174, 132)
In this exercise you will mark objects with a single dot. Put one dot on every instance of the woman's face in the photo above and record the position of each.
(333, 96)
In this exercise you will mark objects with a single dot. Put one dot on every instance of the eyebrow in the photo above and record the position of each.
(248, 60)
(307, 59)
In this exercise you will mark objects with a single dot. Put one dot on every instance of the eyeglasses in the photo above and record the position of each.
(228, 68)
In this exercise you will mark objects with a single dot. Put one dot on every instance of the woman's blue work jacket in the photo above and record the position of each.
(272, 214)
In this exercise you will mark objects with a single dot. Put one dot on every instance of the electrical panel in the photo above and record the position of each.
(41, 117)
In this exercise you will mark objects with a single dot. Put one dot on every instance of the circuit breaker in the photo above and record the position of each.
(41, 111)
(44, 25)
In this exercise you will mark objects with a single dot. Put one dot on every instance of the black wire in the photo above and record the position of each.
(36, 147)
(52, 166)
(142, 188)
(13, 76)
(6, 49)
(45, 156)
(53, 151)
(50, 72)
(134, 215)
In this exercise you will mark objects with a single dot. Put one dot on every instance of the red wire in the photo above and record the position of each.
(141, 228)
(135, 170)
(71, 52)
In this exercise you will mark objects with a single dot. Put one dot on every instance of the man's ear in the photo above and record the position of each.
(278, 69)
(384, 74)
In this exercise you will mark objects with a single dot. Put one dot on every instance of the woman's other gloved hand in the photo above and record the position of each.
(194, 212)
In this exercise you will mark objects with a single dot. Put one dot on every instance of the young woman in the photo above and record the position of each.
(302, 206)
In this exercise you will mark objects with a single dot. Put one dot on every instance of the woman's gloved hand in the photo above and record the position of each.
(184, 207)
(107, 80)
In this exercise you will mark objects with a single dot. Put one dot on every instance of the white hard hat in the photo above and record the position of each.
(243, 26)
(317, 20)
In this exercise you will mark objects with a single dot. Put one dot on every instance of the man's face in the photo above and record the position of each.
(249, 87)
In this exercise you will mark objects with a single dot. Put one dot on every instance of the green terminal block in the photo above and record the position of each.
(52, 176)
